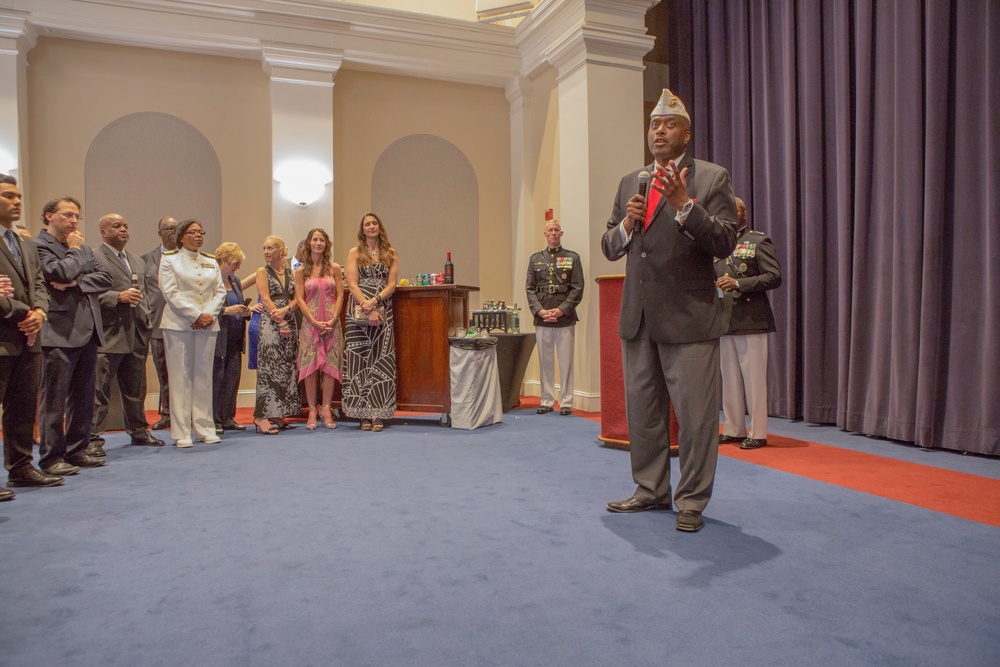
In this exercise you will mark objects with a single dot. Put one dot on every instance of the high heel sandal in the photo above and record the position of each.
(311, 420)
(376, 425)
(325, 413)
(283, 425)
(366, 424)
(270, 430)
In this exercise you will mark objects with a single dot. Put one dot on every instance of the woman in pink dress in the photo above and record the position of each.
(319, 287)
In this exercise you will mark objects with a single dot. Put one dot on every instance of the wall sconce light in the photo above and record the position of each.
(302, 181)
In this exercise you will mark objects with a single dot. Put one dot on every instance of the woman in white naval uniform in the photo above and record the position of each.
(193, 290)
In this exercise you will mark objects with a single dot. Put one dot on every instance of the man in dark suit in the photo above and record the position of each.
(70, 338)
(154, 296)
(125, 317)
(744, 277)
(23, 303)
(671, 315)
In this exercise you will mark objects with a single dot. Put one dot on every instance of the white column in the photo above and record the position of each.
(601, 135)
(301, 133)
(522, 178)
(17, 37)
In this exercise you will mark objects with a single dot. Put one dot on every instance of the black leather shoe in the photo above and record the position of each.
(565, 411)
(6, 494)
(233, 426)
(690, 521)
(543, 409)
(99, 439)
(164, 423)
(32, 477)
(219, 430)
(750, 443)
(729, 439)
(84, 460)
(61, 469)
(146, 440)
(633, 504)
(95, 449)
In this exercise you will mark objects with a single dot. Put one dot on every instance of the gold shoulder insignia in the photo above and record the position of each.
(208, 254)
(170, 252)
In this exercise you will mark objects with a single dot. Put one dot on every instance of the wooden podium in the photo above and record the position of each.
(423, 316)
(614, 425)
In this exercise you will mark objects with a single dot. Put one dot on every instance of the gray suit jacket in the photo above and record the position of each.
(154, 295)
(670, 274)
(74, 313)
(29, 293)
(123, 324)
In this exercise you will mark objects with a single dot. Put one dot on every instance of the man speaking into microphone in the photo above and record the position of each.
(671, 316)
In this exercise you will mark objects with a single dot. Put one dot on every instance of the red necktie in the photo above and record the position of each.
(652, 199)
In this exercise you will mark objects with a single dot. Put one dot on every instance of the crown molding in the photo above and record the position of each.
(369, 38)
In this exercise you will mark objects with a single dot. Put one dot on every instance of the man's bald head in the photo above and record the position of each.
(114, 230)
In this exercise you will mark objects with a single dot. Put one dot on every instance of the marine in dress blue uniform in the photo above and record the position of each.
(555, 288)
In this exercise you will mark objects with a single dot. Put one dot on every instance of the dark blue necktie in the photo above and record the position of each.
(15, 249)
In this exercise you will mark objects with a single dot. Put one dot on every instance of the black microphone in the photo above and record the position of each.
(644, 179)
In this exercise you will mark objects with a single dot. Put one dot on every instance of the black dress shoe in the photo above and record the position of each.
(61, 469)
(543, 409)
(565, 411)
(633, 504)
(32, 477)
(164, 423)
(99, 439)
(690, 521)
(146, 440)
(95, 449)
(750, 443)
(84, 460)
(219, 430)
(233, 426)
(728, 439)
(6, 494)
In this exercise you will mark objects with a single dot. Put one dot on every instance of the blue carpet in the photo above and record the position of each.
(429, 546)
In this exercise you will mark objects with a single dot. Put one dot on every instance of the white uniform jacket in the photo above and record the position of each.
(192, 285)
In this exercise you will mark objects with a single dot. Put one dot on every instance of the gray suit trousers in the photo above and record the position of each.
(686, 374)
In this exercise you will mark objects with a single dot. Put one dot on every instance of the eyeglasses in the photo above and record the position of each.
(69, 215)
(195, 232)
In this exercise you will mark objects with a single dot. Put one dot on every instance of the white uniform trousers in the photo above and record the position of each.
(743, 359)
(553, 342)
(190, 363)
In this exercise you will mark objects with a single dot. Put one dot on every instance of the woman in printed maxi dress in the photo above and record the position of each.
(370, 350)
(277, 376)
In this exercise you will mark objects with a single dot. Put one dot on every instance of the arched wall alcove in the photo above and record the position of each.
(426, 192)
(148, 165)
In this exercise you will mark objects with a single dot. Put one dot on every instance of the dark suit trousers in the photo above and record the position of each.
(130, 369)
(159, 353)
(686, 374)
(69, 375)
(226, 385)
(19, 377)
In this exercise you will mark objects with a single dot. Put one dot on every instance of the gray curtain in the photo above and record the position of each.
(863, 137)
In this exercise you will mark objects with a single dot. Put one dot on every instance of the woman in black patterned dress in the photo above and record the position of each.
(369, 376)
(277, 375)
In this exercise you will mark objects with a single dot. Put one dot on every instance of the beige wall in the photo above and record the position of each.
(371, 111)
(76, 88)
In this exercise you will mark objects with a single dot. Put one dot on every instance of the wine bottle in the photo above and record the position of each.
(449, 271)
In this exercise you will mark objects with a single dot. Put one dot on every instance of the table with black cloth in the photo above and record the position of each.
(513, 353)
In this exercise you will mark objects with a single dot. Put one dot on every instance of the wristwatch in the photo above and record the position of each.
(45, 316)
(683, 213)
